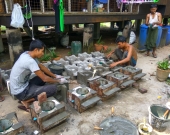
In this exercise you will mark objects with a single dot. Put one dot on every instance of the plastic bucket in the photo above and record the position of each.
(64, 40)
(156, 113)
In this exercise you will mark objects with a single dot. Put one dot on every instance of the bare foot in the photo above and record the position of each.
(2, 99)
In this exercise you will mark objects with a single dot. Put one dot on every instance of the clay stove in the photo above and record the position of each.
(105, 89)
(134, 73)
(82, 98)
(10, 125)
(52, 113)
(102, 71)
(85, 77)
(121, 80)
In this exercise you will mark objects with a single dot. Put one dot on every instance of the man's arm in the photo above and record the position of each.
(109, 55)
(147, 19)
(159, 19)
(46, 71)
(46, 78)
(127, 59)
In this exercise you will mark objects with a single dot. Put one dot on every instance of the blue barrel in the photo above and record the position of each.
(168, 35)
(142, 37)
(76, 47)
(159, 36)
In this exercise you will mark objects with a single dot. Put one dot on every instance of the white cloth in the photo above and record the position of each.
(152, 20)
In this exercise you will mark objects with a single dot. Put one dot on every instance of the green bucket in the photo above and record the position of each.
(76, 47)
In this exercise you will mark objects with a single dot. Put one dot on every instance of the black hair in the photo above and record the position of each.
(153, 6)
(36, 44)
(120, 39)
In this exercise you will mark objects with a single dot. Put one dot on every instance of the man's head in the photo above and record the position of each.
(153, 8)
(121, 41)
(37, 47)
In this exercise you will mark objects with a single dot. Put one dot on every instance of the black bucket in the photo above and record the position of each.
(56, 69)
(156, 119)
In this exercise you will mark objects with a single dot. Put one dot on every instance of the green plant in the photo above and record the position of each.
(53, 54)
(69, 53)
(99, 41)
(164, 65)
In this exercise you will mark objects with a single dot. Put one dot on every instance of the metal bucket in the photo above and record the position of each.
(156, 119)
(5, 124)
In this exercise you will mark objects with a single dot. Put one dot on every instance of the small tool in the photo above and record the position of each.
(167, 111)
(144, 128)
(98, 128)
(94, 72)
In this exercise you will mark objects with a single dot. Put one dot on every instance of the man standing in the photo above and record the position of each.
(125, 53)
(21, 86)
(153, 19)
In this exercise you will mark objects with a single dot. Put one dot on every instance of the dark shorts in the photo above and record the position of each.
(122, 55)
(37, 86)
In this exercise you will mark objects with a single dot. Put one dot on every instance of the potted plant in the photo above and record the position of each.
(46, 57)
(54, 55)
(99, 44)
(163, 70)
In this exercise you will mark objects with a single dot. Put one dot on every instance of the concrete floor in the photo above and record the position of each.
(129, 104)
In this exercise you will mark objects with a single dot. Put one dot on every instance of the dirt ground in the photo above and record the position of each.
(129, 103)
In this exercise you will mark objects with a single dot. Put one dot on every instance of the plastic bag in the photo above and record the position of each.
(17, 19)
(132, 37)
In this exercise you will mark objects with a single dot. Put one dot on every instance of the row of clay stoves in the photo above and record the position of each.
(102, 87)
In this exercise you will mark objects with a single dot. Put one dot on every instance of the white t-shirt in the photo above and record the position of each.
(21, 71)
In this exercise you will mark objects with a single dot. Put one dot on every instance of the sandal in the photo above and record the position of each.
(147, 54)
(23, 108)
(2, 98)
(154, 55)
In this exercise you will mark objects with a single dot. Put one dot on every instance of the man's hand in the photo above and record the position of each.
(59, 76)
(109, 55)
(113, 65)
(63, 80)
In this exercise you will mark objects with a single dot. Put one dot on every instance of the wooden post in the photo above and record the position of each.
(42, 6)
(14, 43)
(88, 38)
(1, 43)
(108, 5)
(89, 6)
(96, 30)
(69, 5)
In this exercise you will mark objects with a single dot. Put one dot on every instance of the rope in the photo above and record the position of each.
(31, 19)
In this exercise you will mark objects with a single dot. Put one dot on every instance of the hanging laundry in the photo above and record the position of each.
(61, 7)
(59, 16)
(118, 3)
(17, 19)
(55, 1)
(26, 12)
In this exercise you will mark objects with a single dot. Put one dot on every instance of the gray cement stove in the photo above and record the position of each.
(105, 89)
(134, 73)
(121, 80)
(81, 98)
(85, 77)
(10, 125)
(50, 117)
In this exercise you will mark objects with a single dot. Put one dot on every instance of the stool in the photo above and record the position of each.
(26, 103)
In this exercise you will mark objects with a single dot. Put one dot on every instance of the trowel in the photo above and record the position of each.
(94, 72)
(112, 112)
